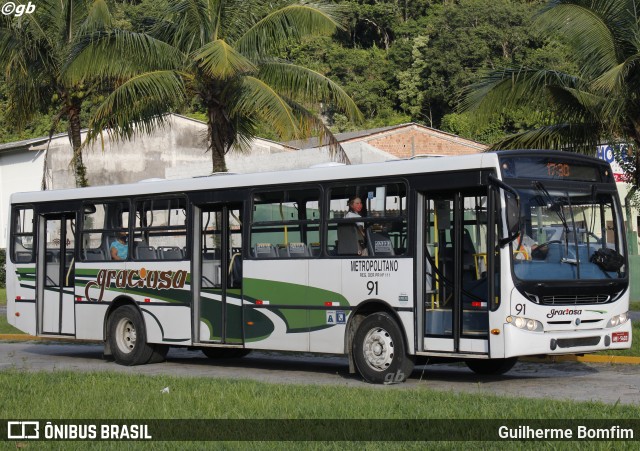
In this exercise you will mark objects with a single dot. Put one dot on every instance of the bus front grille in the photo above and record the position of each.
(570, 299)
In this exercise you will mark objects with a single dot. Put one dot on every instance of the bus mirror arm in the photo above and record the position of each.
(512, 211)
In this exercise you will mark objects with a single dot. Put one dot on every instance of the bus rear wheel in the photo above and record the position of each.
(379, 351)
(128, 338)
(491, 366)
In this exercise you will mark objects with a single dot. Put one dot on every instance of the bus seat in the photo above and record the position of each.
(23, 257)
(297, 250)
(468, 262)
(348, 240)
(235, 271)
(379, 244)
(211, 254)
(94, 255)
(146, 253)
(170, 253)
(53, 256)
(265, 250)
(314, 249)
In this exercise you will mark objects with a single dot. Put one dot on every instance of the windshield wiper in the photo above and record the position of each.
(553, 205)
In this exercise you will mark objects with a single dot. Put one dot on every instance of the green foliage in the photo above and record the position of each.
(456, 41)
(398, 61)
(35, 51)
(592, 99)
(220, 57)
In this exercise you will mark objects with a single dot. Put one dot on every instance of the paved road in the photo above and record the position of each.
(567, 380)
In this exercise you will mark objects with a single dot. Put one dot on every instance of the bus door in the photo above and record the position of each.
(56, 273)
(219, 263)
(455, 281)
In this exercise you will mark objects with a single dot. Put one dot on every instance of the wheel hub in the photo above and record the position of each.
(126, 335)
(378, 349)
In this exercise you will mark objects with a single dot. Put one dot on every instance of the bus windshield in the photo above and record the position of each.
(565, 235)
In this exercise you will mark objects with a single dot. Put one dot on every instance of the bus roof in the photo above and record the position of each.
(296, 176)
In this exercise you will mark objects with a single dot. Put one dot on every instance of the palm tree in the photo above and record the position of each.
(34, 50)
(600, 103)
(224, 52)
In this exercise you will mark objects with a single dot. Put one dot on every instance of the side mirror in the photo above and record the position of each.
(511, 219)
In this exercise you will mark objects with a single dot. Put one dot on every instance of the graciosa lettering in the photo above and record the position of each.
(155, 280)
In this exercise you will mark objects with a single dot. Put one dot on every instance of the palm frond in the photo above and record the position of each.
(582, 138)
(119, 54)
(586, 30)
(306, 86)
(191, 24)
(260, 99)
(614, 79)
(98, 18)
(512, 88)
(279, 28)
(138, 105)
(312, 125)
(220, 60)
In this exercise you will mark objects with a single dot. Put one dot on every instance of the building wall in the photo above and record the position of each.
(414, 140)
(19, 171)
(181, 143)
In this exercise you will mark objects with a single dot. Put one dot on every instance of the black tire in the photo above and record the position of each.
(159, 354)
(491, 366)
(128, 338)
(379, 351)
(225, 353)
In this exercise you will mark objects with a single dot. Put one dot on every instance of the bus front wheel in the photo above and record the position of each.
(127, 337)
(491, 366)
(379, 351)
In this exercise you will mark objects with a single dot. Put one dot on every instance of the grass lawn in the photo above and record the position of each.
(119, 396)
(634, 306)
(5, 328)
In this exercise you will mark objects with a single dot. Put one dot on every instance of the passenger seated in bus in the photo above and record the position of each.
(120, 248)
(355, 211)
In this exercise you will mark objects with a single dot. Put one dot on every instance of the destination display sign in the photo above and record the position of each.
(541, 168)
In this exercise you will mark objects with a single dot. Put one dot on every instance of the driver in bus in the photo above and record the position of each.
(525, 248)
(120, 247)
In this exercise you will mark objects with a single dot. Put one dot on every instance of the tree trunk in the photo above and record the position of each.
(219, 141)
(79, 169)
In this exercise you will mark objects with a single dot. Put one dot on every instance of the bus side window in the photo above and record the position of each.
(285, 224)
(102, 223)
(23, 235)
(160, 229)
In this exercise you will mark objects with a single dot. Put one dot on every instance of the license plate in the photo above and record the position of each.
(620, 337)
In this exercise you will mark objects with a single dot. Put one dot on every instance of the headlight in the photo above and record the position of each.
(618, 319)
(525, 323)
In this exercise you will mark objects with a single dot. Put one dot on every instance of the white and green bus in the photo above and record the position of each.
(480, 258)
